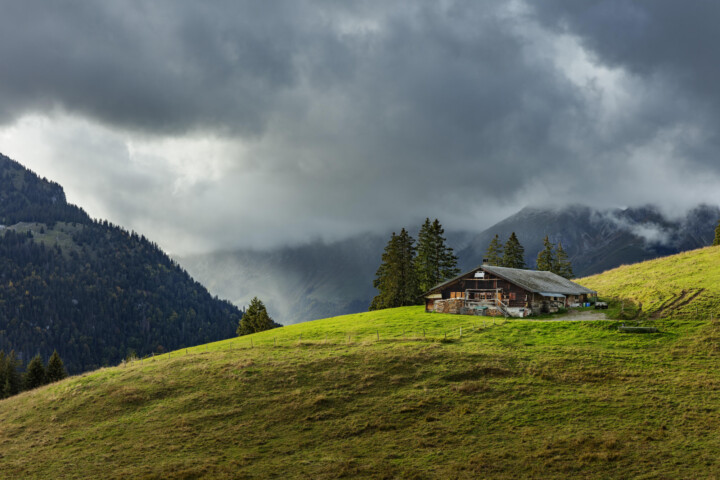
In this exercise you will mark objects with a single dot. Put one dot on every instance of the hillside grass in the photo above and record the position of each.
(510, 399)
(683, 285)
(59, 234)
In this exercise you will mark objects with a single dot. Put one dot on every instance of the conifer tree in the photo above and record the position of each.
(396, 278)
(13, 381)
(35, 375)
(55, 368)
(494, 254)
(255, 319)
(514, 254)
(716, 241)
(3, 373)
(546, 256)
(562, 263)
(435, 261)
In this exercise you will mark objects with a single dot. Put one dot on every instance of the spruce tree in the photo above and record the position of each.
(494, 254)
(3, 373)
(35, 375)
(396, 277)
(562, 263)
(514, 254)
(716, 241)
(55, 368)
(13, 381)
(435, 261)
(255, 319)
(546, 257)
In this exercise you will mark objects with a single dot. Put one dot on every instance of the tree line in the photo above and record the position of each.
(551, 258)
(36, 374)
(410, 268)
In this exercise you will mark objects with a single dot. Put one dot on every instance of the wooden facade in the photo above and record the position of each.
(485, 292)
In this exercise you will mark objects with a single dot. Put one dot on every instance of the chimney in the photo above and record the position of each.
(485, 261)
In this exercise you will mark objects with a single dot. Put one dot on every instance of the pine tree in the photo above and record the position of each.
(514, 254)
(562, 263)
(494, 254)
(55, 368)
(35, 375)
(3, 373)
(546, 257)
(255, 319)
(435, 261)
(396, 278)
(716, 241)
(13, 381)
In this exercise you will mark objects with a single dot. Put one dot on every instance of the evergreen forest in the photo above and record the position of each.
(91, 290)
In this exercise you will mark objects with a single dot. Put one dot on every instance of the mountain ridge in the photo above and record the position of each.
(91, 290)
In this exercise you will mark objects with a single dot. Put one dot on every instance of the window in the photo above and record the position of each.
(512, 295)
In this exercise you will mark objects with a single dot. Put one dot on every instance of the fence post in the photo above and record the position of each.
(460, 332)
(276, 341)
(423, 333)
(251, 344)
(378, 334)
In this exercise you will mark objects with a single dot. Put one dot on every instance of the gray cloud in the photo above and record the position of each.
(227, 124)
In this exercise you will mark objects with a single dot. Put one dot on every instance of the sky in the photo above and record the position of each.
(249, 124)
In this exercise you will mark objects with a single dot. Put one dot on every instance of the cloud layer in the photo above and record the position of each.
(236, 124)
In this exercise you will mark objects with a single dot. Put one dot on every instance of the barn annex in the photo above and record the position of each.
(500, 291)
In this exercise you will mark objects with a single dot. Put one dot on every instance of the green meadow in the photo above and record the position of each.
(397, 393)
(682, 285)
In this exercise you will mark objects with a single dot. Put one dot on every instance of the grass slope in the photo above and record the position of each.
(682, 285)
(515, 399)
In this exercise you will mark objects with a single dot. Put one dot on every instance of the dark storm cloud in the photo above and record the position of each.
(343, 117)
(668, 44)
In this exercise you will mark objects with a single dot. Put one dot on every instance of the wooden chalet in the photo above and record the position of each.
(501, 291)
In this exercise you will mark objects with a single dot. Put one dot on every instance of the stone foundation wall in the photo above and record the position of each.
(449, 305)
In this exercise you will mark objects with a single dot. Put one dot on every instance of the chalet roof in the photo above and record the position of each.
(531, 280)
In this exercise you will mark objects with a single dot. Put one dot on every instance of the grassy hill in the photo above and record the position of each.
(387, 394)
(683, 285)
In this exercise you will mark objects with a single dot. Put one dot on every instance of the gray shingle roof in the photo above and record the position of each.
(531, 280)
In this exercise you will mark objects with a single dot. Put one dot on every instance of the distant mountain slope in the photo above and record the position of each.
(91, 290)
(600, 240)
(296, 283)
(323, 279)
(682, 285)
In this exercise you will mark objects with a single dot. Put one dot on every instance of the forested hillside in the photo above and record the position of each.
(89, 289)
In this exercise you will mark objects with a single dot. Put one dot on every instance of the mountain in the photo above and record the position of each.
(299, 283)
(597, 240)
(296, 283)
(91, 290)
